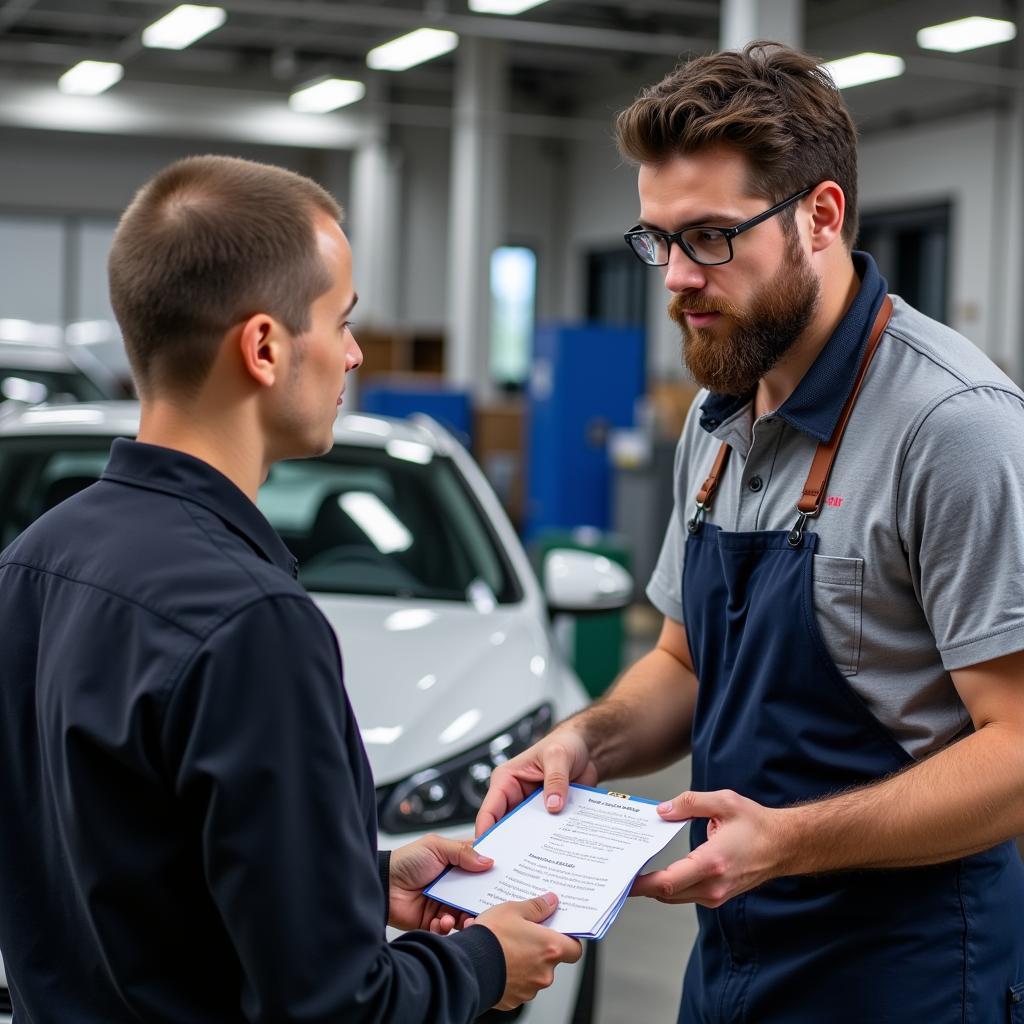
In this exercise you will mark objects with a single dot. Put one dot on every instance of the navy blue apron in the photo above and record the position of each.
(777, 722)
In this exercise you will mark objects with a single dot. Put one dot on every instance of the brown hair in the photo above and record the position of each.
(208, 242)
(773, 104)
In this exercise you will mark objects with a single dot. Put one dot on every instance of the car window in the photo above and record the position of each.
(61, 386)
(360, 520)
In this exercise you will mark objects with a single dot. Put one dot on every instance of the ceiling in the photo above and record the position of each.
(566, 58)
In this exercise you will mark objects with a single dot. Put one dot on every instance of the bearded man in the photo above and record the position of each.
(843, 635)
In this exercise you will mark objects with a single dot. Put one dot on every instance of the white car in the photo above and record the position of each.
(37, 364)
(444, 629)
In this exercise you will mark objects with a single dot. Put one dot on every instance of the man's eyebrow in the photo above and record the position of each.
(710, 220)
(352, 304)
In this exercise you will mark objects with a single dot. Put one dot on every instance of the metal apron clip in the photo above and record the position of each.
(796, 535)
(694, 523)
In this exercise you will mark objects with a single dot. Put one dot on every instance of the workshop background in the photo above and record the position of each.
(485, 202)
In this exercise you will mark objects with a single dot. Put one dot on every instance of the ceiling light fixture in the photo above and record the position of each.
(503, 6)
(326, 95)
(862, 68)
(409, 50)
(90, 77)
(183, 26)
(966, 34)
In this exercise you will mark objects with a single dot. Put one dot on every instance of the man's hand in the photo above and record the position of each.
(532, 952)
(416, 865)
(558, 759)
(740, 853)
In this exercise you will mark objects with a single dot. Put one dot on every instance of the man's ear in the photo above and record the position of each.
(827, 209)
(259, 345)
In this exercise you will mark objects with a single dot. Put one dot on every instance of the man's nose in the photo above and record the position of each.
(354, 357)
(681, 273)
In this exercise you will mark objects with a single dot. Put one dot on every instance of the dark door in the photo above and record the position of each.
(911, 248)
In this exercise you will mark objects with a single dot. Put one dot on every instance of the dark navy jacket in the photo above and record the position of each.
(187, 814)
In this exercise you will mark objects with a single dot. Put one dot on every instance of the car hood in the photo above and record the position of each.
(431, 679)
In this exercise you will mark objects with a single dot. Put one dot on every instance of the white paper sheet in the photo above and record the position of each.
(588, 855)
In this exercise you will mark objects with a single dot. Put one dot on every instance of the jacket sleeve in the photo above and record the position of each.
(269, 770)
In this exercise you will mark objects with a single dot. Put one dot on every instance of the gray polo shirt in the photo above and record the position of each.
(920, 561)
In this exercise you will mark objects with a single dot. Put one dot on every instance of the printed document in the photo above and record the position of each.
(588, 855)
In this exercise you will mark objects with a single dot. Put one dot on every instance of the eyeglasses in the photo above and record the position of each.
(706, 245)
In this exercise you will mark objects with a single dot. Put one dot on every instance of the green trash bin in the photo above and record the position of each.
(598, 637)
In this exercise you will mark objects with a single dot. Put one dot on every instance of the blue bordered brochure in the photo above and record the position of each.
(589, 854)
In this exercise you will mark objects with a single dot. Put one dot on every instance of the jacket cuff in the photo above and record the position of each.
(484, 950)
(384, 873)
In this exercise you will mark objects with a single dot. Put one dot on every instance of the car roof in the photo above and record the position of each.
(34, 357)
(101, 419)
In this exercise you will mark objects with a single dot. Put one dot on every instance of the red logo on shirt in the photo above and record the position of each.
(833, 502)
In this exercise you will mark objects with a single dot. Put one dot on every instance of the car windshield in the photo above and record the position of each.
(360, 520)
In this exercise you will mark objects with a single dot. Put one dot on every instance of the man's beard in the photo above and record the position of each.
(733, 363)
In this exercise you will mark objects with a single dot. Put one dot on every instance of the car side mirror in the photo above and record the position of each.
(581, 581)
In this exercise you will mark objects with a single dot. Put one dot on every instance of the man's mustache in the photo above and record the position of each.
(683, 303)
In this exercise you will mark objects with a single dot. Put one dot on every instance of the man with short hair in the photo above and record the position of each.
(844, 626)
(190, 822)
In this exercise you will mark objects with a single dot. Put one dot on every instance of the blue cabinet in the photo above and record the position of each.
(584, 381)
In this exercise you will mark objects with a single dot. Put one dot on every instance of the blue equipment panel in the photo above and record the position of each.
(584, 381)
(450, 407)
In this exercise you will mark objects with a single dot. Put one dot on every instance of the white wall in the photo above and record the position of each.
(963, 161)
(535, 215)
(65, 172)
(602, 202)
(74, 187)
(421, 248)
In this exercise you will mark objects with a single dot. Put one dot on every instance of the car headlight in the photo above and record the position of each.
(450, 793)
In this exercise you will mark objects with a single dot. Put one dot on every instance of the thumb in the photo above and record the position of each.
(557, 767)
(695, 805)
(539, 908)
(461, 853)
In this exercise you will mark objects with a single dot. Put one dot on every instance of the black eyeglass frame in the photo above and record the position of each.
(727, 233)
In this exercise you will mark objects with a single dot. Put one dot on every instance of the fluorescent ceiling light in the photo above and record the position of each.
(966, 34)
(862, 68)
(409, 50)
(329, 94)
(183, 26)
(503, 6)
(90, 77)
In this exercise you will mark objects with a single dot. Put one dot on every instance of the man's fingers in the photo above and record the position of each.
(671, 883)
(540, 908)
(698, 805)
(462, 854)
(557, 769)
(573, 951)
(504, 793)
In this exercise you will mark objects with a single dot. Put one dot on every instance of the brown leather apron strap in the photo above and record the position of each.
(813, 494)
(708, 488)
(814, 489)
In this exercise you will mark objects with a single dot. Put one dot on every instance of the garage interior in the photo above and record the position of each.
(485, 202)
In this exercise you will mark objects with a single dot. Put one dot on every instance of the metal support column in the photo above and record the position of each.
(743, 21)
(372, 222)
(476, 209)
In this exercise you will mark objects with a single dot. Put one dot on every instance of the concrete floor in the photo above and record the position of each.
(644, 953)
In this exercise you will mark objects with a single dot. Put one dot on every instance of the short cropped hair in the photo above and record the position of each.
(207, 243)
(775, 105)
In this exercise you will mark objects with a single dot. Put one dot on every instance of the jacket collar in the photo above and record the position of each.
(173, 472)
